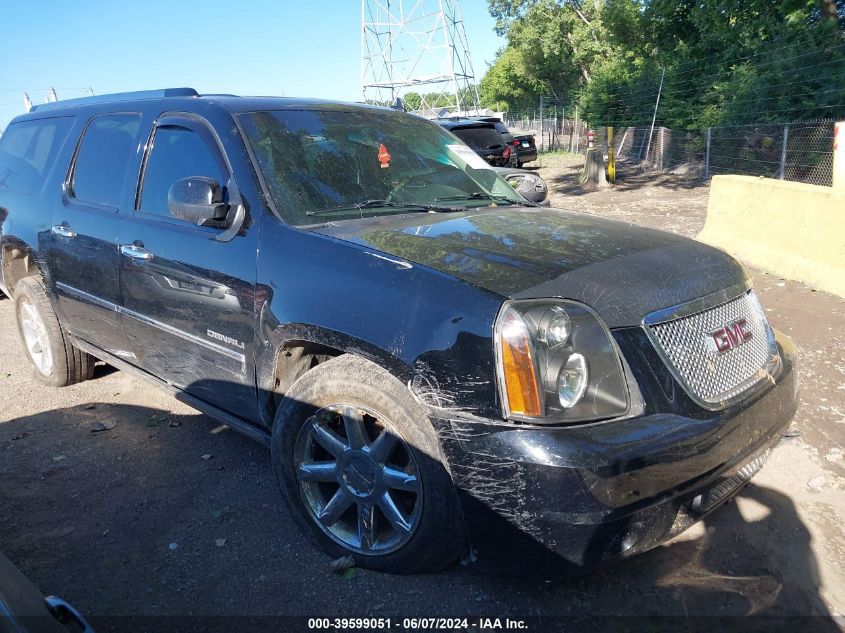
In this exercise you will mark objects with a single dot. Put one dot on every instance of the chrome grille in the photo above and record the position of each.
(711, 377)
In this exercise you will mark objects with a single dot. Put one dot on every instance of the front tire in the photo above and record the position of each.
(55, 361)
(359, 464)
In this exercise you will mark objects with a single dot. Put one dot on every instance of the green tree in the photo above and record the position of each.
(726, 62)
(507, 85)
(413, 100)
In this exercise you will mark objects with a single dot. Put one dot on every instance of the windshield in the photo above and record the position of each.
(478, 137)
(503, 130)
(353, 163)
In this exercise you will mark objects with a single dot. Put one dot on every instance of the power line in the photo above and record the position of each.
(761, 53)
(705, 82)
(629, 101)
(631, 98)
(649, 93)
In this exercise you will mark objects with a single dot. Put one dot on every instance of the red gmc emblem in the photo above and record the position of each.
(730, 336)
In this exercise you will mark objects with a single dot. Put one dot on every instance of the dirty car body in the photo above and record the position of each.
(590, 387)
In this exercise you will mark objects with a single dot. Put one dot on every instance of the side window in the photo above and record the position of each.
(100, 168)
(177, 153)
(27, 150)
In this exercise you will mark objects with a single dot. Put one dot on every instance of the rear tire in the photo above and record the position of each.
(54, 359)
(328, 406)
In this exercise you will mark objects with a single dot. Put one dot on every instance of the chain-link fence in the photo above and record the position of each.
(801, 151)
(551, 132)
(798, 151)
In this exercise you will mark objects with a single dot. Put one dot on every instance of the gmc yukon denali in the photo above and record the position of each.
(439, 368)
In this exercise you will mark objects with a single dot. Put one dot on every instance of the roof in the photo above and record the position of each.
(485, 118)
(120, 96)
(460, 124)
(232, 103)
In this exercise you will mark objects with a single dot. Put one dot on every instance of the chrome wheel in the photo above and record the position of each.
(358, 479)
(35, 337)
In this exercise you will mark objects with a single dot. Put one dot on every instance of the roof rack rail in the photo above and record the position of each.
(118, 96)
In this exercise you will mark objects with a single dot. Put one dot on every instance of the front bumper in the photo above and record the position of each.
(590, 493)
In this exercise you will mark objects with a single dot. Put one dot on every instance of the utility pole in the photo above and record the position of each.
(654, 118)
(27, 104)
(90, 91)
(782, 169)
(431, 54)
(541, 123)
(53, 96)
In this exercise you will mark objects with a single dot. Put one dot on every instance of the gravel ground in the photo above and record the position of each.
(168, 513)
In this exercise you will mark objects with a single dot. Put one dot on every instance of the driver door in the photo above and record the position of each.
(188, 290)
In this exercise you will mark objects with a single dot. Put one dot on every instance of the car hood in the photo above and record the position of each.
(622, 271)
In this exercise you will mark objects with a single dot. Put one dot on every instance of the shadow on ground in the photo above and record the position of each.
(175, 514)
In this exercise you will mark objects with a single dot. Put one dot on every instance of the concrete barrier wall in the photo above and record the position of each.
(791, 229)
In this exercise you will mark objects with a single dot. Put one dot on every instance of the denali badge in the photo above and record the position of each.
(225, 339)
(730, 336)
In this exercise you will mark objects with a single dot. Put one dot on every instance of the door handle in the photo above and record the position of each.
(62, 230)
(62, 609)
(135, 252)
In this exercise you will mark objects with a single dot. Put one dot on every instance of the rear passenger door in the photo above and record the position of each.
(85, 227)
(188, 290)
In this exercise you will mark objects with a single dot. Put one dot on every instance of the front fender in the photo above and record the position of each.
(428, 329)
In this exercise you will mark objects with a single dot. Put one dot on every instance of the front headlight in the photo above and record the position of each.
(557, 363)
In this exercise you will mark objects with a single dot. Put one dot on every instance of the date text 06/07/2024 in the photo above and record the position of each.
(416, 624)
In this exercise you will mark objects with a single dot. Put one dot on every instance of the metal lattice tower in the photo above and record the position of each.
(419, 46)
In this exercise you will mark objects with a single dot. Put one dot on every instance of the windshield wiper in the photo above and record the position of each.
(390, 204)
(479, 195)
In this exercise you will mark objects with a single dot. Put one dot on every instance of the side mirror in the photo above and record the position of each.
(198, 200)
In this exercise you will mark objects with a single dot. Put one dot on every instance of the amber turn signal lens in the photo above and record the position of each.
(518, 367)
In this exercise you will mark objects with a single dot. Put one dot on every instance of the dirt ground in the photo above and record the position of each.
(168, 513)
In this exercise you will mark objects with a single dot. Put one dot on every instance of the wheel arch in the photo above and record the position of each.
(296, 348)
(19, 260)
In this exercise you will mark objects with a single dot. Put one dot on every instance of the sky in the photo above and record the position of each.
(303, 48)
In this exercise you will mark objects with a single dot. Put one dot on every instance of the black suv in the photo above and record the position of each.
(523, 145)
(484, 139)
(437, 367)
